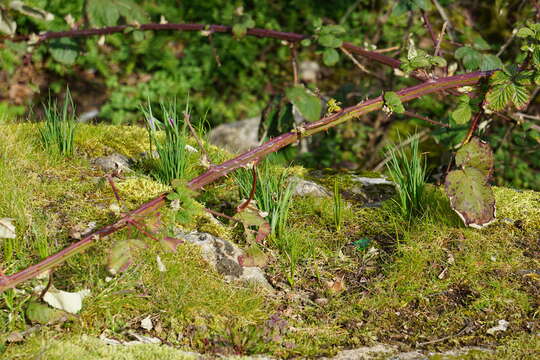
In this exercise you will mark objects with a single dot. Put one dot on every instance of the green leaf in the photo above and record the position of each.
(393, 102)
(420, 61)
(330, 57)
(64, 50)
(480, 44)
(471, 58)
(499, 96)
(102, 13)
(476, 154)
(330, 41)
(490, 62)
(525, 32)
(309, 105)
(471, 197)
(251, 216)
(39, 313)
(438, 61)
(122, 255)
(305, 42)
(462, 114)
(520, 98)
(332, 29)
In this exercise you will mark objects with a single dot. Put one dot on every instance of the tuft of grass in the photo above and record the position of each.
(409, 174)
(338, 207)
(171, 161)
(59, 131)
(273, 193)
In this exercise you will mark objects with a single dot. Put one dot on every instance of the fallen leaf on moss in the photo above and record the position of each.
(121, 255)
(70, 302)
(7, 229)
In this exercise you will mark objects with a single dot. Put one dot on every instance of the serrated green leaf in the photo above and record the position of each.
(499, 78)
(251, 216)
(393, 102)
(64, 50)
(499, 96)
(420, 61)
(520, 97)
(476, 154)
(102, 13)
(309, 105)
(333, 29)
(490, 62)
(471, 196)
(330, 57)
(471, 58)
(438, 61)
(330, 41)
(537, 78)
(462, 114)
(536, 57)
(480, 44)
(525, 32)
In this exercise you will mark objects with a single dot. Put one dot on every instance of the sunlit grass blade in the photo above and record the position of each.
(58, 132)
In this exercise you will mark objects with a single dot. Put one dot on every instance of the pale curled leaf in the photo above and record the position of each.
(31, 11)
(7, 229)
(309, 105)
(70, 302)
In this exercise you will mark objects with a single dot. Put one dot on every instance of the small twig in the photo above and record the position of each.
(214, 51)
(48, 286)
(206, 158)
(445, 17)
(241, 207)
(439, 40)
(421, 117)
(508, 42)
(349, 11)
(357, 63)
(140, 227)
(217, 213)
(115, 191)
(427, 23)
(474, 124)
(294, 63)
(382, 51)
(466, 328)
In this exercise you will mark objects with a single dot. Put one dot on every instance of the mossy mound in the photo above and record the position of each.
(429, 284)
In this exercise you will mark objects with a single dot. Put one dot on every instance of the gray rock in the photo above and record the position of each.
(366, 352)
(236, 137)
(223, 256)
(308, 188)
(309, 71)
(372, 191)
(113, 162)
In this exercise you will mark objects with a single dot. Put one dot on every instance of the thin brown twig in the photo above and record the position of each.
(427, 24)
(294, 63)
(206, 158)
(422, 117)
(48, 286)
(140, 227)
(244, 205)
(217, 213)
(439, 40)
(357, 63)
(115, 191)
(214, 51)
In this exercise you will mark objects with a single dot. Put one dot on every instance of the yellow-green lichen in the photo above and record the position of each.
(137, 189)
(518, 205)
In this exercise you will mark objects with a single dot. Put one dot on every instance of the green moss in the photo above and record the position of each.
(415, 282)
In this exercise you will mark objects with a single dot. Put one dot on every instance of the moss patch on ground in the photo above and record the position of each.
(430, 284)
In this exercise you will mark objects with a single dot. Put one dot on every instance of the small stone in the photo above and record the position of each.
(308, 188)
(113, 162)
(321, 301)
(146, 323)
(236, 137)
(502, 326)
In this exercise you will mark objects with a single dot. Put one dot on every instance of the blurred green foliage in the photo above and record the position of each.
(233, 77)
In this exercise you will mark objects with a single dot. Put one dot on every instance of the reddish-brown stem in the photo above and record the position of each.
(427, 24)
(217, 213)
(113, 187)
(140, 227)
(294, 63)
(218, 171)
(252, 192)
(421, 117)
(474, 124)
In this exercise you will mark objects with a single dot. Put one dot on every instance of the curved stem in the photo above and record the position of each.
(218, 171)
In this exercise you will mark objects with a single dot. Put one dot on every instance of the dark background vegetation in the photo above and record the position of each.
(116, 77)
